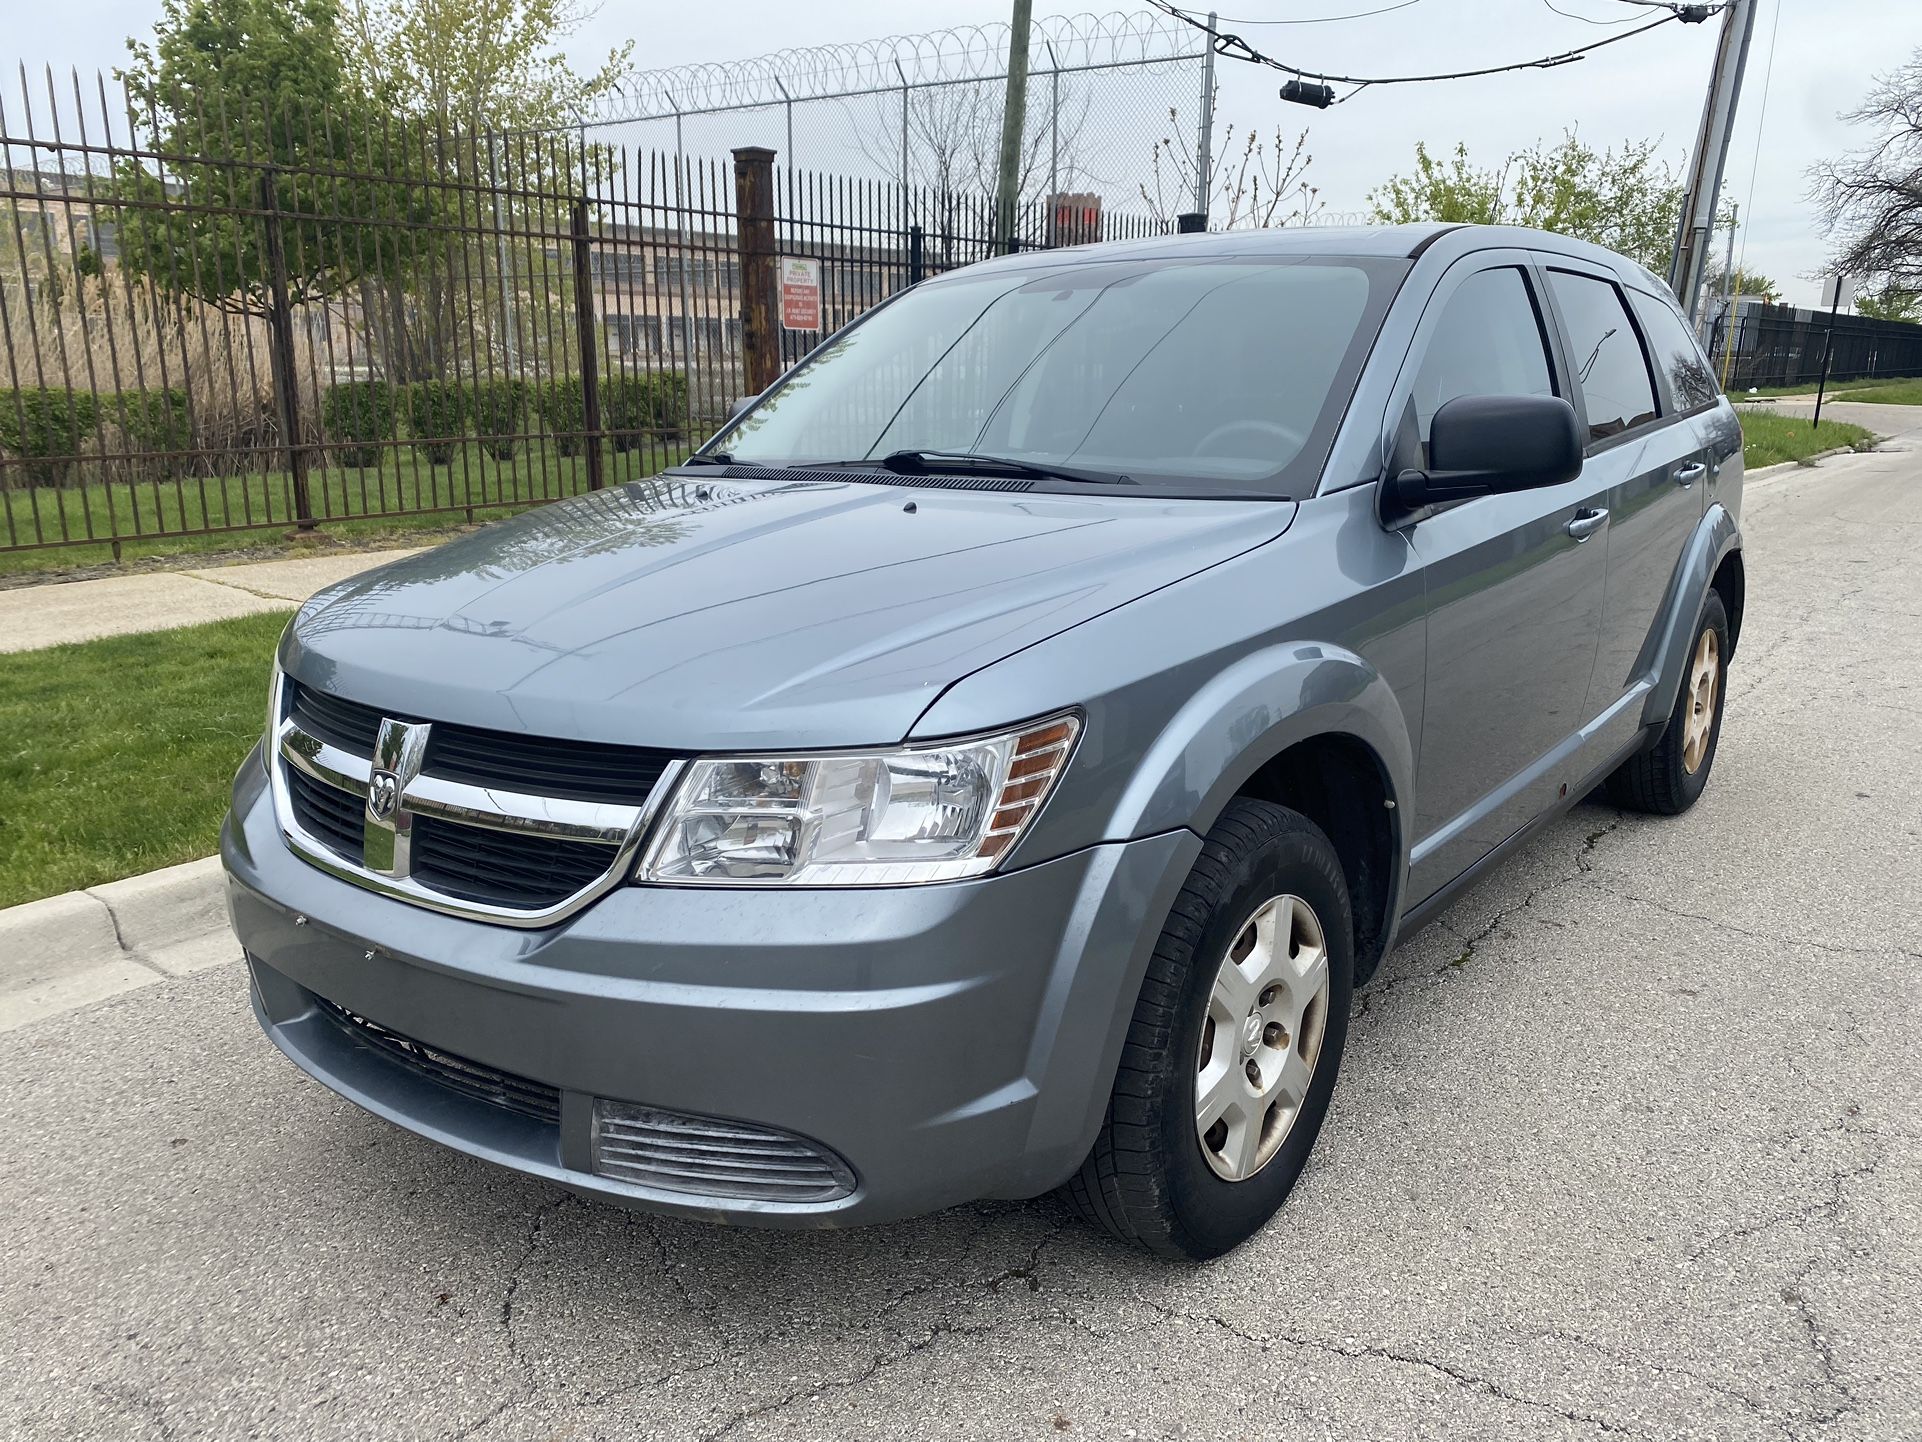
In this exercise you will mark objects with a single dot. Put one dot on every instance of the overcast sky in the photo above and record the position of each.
(1647, 87)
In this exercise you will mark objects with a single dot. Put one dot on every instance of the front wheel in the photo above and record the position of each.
(1669, 778)
(1232, 1052)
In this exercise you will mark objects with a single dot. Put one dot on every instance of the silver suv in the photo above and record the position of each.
(993, 761)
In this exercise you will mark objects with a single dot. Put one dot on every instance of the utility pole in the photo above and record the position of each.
(1205, 136)
(1013, 113)
(1711, 155)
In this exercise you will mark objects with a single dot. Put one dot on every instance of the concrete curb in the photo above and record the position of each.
(68, 951)
(1782, 468)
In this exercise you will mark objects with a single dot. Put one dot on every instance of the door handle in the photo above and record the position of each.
(1689, 474)
(1585, 523)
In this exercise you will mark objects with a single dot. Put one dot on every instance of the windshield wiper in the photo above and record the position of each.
(708, 458)
(921, 463)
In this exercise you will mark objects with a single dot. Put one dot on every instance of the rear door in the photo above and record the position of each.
(1647, 460)
(1513, 583)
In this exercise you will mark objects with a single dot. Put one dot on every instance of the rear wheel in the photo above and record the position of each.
(1236, 1038)
(1668, 778)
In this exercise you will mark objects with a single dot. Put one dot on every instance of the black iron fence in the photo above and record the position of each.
(217, 324)
(1779, 345)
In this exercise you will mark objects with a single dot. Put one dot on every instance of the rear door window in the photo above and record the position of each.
(1691, 382)
(1606, 352)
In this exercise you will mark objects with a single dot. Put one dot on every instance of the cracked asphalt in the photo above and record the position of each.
(1625, 1145)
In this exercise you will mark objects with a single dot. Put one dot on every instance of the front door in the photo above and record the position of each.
(1513, 585)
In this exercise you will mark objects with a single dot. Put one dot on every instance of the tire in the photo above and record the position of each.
(1661, 780)
(1152, 1177)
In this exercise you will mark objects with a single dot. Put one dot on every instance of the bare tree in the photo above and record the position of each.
(1871, 198)
(1259, 184)
(954, 138)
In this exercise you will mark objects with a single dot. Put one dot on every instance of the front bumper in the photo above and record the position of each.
(950, 1042)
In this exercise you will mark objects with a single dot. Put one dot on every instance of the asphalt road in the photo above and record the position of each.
(1626, 1145)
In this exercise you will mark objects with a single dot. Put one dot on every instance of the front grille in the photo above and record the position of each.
(491, 838)
(336, 720)
(483, 1083)
(334, 817)
(500, 868)
(675, 1152)
(539, 765)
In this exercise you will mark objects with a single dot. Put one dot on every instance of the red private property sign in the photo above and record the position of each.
(800, 293)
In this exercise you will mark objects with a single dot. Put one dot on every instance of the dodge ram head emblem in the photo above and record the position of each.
(387, 830)
(383, 795)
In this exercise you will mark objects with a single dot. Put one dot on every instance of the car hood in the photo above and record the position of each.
(696, 615)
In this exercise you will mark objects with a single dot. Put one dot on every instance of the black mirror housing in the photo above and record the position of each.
(1483, 445)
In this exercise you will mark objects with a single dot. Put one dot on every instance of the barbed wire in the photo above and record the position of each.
(897, 62)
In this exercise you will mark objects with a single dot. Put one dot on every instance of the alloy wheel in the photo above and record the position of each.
(1267, 1012)
(1705, 673)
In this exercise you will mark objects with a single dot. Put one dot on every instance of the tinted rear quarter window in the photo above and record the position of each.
(1611, 370)
(1691, 381)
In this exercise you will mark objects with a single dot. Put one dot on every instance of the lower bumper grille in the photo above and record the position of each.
(675, 1152)
(456, 1073)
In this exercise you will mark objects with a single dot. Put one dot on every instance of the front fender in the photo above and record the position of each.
(1247, 715)
(1670, 641)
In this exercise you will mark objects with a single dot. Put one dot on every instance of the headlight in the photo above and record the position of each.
(859, 818)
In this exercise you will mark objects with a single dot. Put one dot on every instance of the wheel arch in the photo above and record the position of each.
(1311, 726)
(1713, 555)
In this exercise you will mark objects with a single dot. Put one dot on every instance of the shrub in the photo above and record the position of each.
(563, 412)
(632, 405)
(358, 415)
(156, 430)
(437, 411)
(500, 415)
(44, 428)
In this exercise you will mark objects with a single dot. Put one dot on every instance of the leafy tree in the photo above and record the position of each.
(484, 86)
(1890, 302)
(1626, 199)
(251, 89)
(495, 64)
(1451, 190)
(1871, 199)
(1750, 283)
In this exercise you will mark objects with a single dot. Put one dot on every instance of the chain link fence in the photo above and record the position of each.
(924, 111)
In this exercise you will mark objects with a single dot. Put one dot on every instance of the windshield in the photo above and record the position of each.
(1206, 371)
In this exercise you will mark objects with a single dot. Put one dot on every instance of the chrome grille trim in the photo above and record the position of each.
(679, 1152)
(619, 829)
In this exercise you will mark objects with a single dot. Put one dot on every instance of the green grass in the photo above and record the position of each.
(1855, 390)
(116, 755)
(472, 488)
(1885, 393)
(1768, 438)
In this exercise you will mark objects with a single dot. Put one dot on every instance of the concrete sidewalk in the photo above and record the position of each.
(36, 616)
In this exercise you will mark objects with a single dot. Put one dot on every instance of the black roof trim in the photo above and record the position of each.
(1430, 238)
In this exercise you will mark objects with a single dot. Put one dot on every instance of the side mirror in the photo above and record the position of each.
(742, 405)
(1485, 445)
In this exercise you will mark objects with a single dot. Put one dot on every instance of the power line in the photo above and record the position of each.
(1235, 48)
(1323, 19)
(1590, 19)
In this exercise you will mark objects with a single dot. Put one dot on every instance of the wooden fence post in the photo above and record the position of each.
(590, 348)
(280, 348)
(760, 282)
